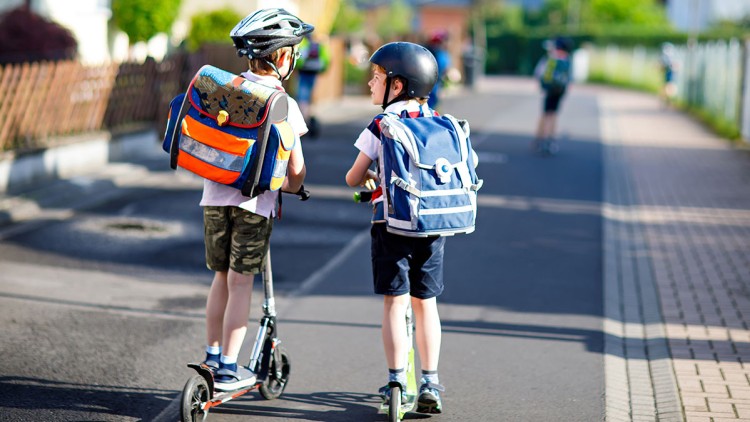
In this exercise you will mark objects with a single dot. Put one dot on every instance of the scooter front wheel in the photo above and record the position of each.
(394, 406)
(194, 395)
(278, 375)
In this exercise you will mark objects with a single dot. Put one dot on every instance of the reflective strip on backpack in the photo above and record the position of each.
(401, 183)
(215, 138)
(212, 156)
(400, 224)
(208, 171)
(451, 210)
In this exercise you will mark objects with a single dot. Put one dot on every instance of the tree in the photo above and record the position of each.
(26, 36)
(396, 21)
(600, 13)
(349, 20)
(632, 12)
(142, 19)
(212, 27)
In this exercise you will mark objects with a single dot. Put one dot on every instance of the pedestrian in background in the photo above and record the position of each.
(554, 73)
(313, 60)
(668, 67)
(437, 46)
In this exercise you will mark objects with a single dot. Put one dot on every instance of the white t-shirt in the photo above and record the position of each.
(216, 194)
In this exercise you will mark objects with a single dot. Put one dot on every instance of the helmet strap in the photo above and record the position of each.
(292, 65)
(387, 91)
(400, 97)
(273, 66)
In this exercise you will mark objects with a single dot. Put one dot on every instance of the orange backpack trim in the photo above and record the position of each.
(208, 171)
(215, 138)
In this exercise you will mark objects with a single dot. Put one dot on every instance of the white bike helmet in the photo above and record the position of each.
(267, 30)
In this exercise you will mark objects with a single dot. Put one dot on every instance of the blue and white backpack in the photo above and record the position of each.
(428, 178)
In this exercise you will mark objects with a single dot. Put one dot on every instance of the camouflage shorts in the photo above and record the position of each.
(236, 239)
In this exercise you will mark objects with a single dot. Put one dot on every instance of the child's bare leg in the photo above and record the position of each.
(540, 128)
(394, 330)
(240, 289)
(551, 119)
(428, 332)
(215, 305)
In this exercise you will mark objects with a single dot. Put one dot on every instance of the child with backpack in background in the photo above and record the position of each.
(437, 47)
(313, 60)
(554, 74)
(238, 228)
(407, 262)
(668, 67)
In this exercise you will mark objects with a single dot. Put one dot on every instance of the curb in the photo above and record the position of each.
(73, 158)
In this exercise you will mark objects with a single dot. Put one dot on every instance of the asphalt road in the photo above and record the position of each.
(102, 292)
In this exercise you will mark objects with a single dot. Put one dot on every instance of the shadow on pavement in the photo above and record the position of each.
(71, 401)
(347, 407)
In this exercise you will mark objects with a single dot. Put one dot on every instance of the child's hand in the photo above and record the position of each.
(371, 179)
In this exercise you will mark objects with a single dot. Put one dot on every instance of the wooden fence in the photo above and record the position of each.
(47, 100)
(44, 101)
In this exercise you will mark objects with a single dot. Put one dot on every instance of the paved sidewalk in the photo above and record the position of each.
(677, 266)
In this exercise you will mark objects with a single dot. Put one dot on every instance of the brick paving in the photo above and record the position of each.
(677, 266)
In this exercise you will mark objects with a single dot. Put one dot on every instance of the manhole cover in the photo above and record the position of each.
(137, 226)
(131, 227)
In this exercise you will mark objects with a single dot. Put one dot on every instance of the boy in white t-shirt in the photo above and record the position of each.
(237, 228)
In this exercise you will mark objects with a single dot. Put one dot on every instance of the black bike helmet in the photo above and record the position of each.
(412, 62)
(267, 30)
(564, 43)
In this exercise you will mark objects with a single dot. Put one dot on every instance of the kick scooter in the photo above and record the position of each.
(396, 408)
(269, 361)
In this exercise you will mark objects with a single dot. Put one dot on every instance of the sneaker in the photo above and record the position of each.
(429, 398)
(385, 394)
(233, 377)
(212, 361)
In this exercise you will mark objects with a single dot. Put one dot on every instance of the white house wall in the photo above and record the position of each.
(87, 20)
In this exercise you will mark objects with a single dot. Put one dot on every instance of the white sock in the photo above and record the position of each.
(228, 360)
(213, 350)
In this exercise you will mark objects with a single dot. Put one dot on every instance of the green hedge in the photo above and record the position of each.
(518, 52)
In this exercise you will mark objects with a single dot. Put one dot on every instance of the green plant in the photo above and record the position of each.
(349, 19)
(396, 21)
(211, 27)
(142, 19)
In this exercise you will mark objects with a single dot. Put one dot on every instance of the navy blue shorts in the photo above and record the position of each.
(403, 264)
(552, 101)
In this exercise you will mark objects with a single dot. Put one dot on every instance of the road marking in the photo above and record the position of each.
(323, 272)
(486, 157)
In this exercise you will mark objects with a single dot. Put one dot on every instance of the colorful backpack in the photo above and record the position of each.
(231, 131)
(428, 175)
(556, 75)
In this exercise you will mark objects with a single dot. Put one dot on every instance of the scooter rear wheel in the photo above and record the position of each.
(194, 395)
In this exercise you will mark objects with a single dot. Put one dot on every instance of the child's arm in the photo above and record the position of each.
(360, 172)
